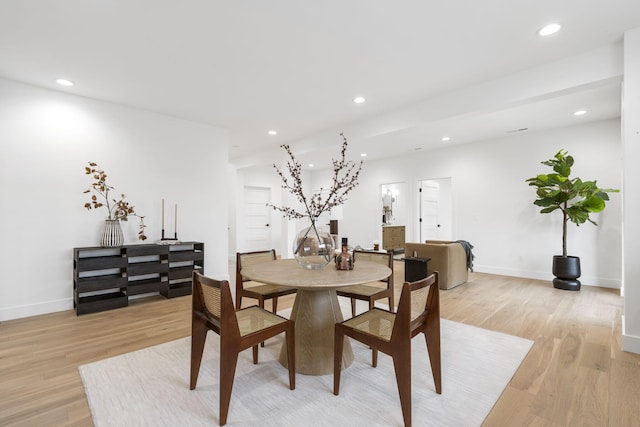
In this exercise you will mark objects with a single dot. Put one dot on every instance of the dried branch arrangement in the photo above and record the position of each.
(345, 179)
(117, 209)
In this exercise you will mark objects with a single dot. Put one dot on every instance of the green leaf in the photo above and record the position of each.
(544, 202)
(549, 209)
(593, 204)
(577, 215)
(562, 169)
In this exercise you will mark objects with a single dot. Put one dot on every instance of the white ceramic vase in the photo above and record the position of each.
(112, 234)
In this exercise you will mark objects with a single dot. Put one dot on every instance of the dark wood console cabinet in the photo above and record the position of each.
(105, 278)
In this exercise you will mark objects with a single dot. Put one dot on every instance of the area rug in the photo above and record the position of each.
(150, 387)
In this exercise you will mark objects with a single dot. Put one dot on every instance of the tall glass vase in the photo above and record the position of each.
(112, 234)
(313, 247)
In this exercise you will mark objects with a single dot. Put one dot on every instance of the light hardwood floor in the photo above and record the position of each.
(575, 374)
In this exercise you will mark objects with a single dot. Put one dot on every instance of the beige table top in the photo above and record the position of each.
(287, 272)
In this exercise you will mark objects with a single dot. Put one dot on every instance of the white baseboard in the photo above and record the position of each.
(630, 343)
(18, 312)
(585, 280)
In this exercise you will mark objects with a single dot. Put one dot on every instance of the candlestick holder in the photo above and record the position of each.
(170, 240)
(175, 236)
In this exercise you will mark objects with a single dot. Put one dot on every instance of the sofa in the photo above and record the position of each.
(448, 258)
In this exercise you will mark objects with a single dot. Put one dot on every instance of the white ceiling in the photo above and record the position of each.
(253, 65)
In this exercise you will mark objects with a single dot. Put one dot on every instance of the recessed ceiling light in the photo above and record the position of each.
(363, 154)
(311, 165)
(64, 82)
(359, 100)
(549, 29)
(580, 112)
(446, 138)
(272, 132)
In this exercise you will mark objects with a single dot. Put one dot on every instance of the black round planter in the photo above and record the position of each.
(567, 270)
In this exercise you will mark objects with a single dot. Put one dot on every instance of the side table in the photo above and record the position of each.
(415, 268)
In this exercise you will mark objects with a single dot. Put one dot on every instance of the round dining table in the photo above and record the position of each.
(316, 309)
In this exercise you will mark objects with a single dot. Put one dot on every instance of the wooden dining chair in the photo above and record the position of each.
(213, 310)
(391, 333)
(259, 291)
(370, 292)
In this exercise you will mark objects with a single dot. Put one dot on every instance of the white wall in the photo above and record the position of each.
(47, 138)
(493, 205)
(631, 150)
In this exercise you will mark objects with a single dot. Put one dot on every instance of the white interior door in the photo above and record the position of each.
(257, 230)
(435, 210)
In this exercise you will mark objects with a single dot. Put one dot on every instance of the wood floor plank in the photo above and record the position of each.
(624, 399)
(508, 411)
(575, 374)
(534, 368)
(590, 401)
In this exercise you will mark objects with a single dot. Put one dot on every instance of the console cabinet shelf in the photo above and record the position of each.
(105, 278)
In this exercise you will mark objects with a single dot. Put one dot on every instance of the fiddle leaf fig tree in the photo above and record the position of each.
(574, 198)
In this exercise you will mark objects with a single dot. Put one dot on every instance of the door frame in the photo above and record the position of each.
(242, 235)
(445, 208)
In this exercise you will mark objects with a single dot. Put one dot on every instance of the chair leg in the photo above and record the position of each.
(375, 325)
(274, 305)
(432, 338)
(238, 301)
(228, 362)
(391, 308)
(255, 354)
(291, 354)
(198, 338)
(337, 358)
(353, 307)
(402, 365)
(261, 305)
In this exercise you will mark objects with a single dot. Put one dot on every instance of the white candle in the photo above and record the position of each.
(163, 214)
(175, 227)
